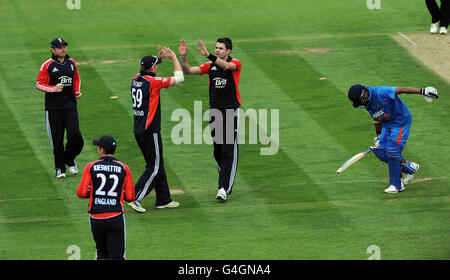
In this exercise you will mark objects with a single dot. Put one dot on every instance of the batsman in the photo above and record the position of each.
(392, 121)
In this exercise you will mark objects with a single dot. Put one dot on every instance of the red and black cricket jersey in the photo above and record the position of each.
(53, 72)
(223, 85)
(145, 96)
(107, 183)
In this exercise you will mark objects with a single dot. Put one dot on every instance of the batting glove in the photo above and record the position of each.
(376, 141)
(430, 92)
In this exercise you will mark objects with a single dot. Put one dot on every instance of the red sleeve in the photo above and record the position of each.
(237, 63)
(128, 186)
(86, 181)
(76, 78)
(160, 82)
(44, 78)
(205, 67)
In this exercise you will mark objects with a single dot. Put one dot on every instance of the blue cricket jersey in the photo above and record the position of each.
(387, 107)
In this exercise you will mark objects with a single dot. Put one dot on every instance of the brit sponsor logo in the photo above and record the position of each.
(66, 81)
(219, 82)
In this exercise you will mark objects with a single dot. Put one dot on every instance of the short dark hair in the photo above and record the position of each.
(227, 42)
(109, 151)
(143, 71)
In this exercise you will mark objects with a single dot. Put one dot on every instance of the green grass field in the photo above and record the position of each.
(289, 206)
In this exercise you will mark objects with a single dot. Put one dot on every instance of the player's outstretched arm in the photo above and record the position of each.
(187, 69)
(428, 91)
(178, 74)
(222, 63)
(409, 90)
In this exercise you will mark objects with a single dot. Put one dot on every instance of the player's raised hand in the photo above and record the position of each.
(182, 49)
(169, 53)
(202, 48)
(431, 92)
(160, 52)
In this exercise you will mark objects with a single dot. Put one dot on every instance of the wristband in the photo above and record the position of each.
(211, 57)
(422, 91)
(182, 56)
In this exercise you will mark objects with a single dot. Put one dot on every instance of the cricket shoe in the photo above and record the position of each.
(407, 178)
(434, 27)
(73, 170)
(221, 194)
(136, 205)
(172, 204)
(443, 30)
(393, 189)
(60, 174)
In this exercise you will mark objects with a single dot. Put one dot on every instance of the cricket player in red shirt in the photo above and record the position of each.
(224, 100)
(107, 183)
(145, 95)
(59, 79)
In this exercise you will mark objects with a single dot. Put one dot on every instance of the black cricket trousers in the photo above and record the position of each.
(439, 14)
(154, 175)
(110, 237)
(226, 145)
(59, 121)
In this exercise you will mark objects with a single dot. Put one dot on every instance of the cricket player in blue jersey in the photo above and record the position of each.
(392, 121)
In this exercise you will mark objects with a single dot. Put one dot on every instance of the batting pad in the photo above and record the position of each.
(394, 172)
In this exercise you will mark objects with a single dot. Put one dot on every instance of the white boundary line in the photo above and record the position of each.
(406, 37)
(442, 41)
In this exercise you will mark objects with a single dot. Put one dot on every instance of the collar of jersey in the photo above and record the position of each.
(149, 74)
(370, 98)
(110, 158)
(56, 58)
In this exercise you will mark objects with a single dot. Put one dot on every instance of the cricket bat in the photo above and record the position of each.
(353, 159)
